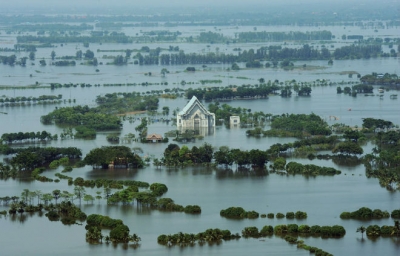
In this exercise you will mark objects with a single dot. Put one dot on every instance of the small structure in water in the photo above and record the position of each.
(154, 138)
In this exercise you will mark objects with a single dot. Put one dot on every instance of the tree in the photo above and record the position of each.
(32, 56)
(56, 194)
(88, 198)
(23, 61)
(164, 71)
(348, 147)
(361, 229)
(79, 54)
(79, 192)
(89, 54)
(279, 163)
(258, 158)
(165, 111)
(53, 55)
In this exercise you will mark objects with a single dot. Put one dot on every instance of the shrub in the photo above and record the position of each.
(267, 231)
(378, 214)
(120, 234)
(233, 212)
(290, 215)
(270, 215)
(252, 215)
(326, 231)
(300, 215)
(337, 230)
(395, 214)
(292, 228)
(280, 215)
(280, 229)
(345, 215)
(387, 230)
(158, 189)
(263, 215)
(250, 232)
(373, 230)
(194, 209)
(315, 230)
(304, 229)
(362, 213)
(291, 239)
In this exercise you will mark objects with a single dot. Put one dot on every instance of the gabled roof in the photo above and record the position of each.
(154, 136)
(193, 101)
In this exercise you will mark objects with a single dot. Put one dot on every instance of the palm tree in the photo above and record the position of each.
(361, 229)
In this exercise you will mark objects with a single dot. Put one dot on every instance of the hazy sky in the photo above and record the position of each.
(81, 6)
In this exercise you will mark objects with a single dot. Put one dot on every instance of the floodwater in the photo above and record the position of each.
(323, 198)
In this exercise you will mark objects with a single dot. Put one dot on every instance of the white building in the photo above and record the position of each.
(234, 121)
(194, 116)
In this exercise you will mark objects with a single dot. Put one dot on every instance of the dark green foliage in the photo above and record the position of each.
(116, 155)
(280, 229)
(79, 115)
(20, 136)
(387, 230)
(365, 213)
(83, 132)
(280, 215)
(250, 232)
(315, 230)
(290, 239)
(304, 229)
(310, 169)
(395, 214)
(210, 236)
(158, 189)
(32, 157)
(238, 213)
(233, 213)
(292, 228)
(252, 214)
(290, 215)
(270, 215)
(300, 215)
(193, 209)
(53, 216)
(373, 230)
(348, 148)
(332, 231)
(120, 234)
(311, 124)
(267, 231)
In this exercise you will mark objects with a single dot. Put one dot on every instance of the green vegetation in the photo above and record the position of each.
(210, 236)
(117, 156)
(365, 214)
(310, 169)
(27, 136)
(238, 213)
(79, 115)
(384, 231)
(119, 232)
(32, 157)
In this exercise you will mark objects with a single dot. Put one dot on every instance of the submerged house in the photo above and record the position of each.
(154, 138)
(195, 116)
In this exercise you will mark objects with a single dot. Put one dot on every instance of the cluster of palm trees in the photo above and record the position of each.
(376, 230)
(94, 235)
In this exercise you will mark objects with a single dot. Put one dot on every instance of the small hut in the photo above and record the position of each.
(154, 138)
